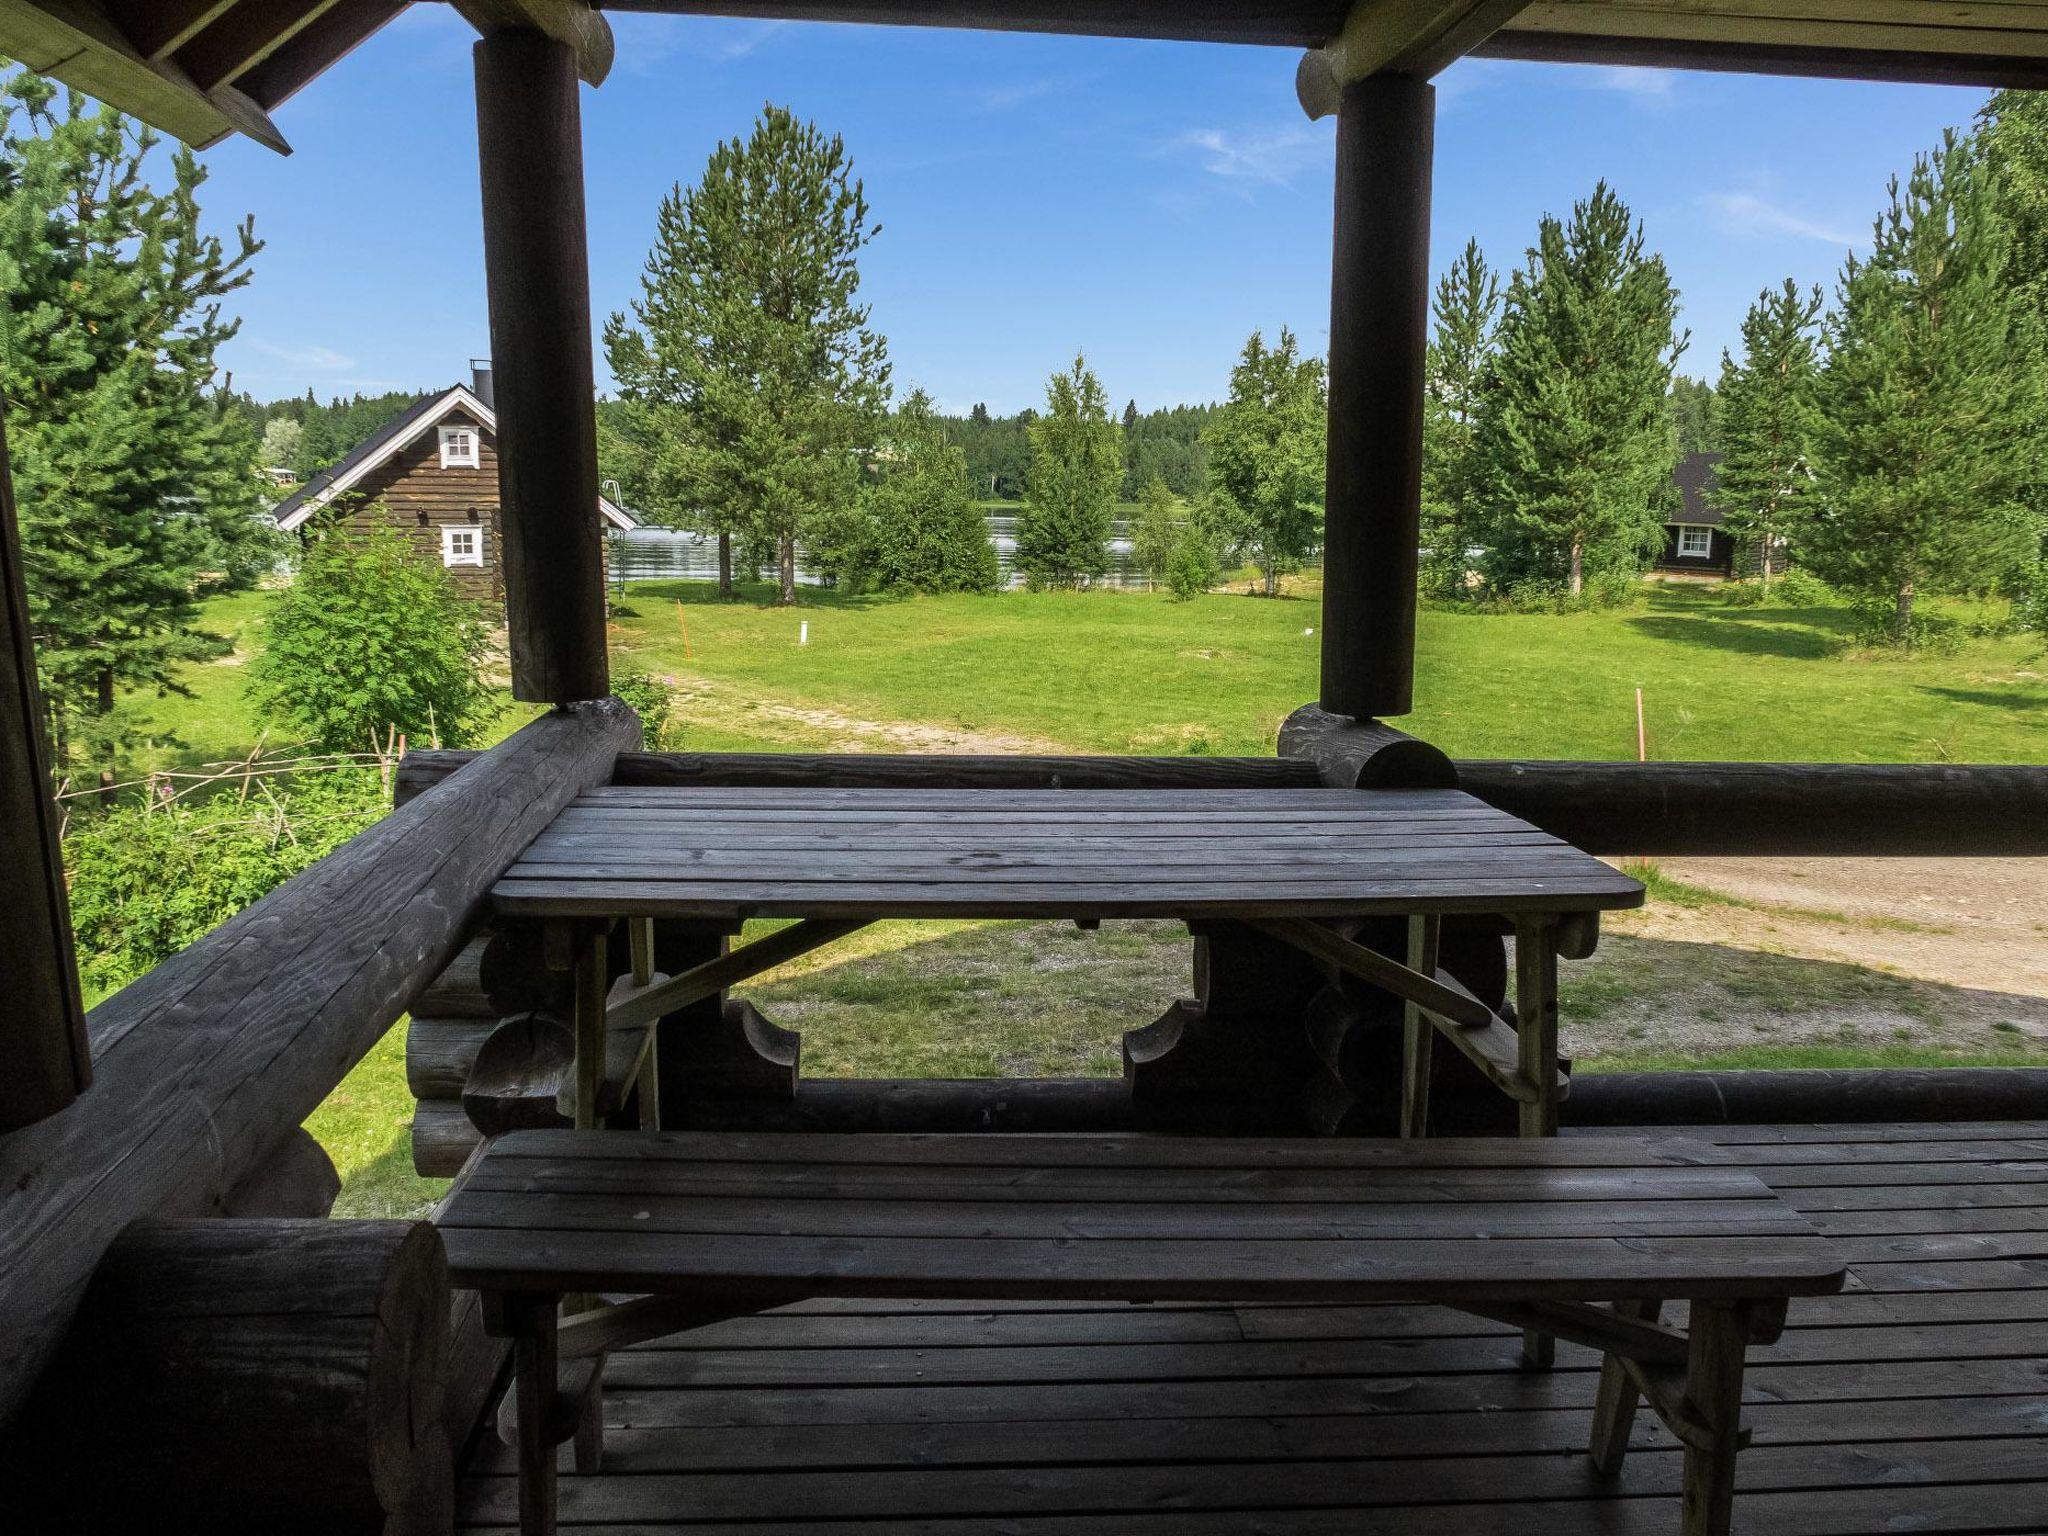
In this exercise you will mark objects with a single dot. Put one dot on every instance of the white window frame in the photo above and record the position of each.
(461, 447)
(450, 556)
(1686, 533)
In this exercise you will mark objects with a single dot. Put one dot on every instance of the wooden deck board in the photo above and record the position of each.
(1917, 1400)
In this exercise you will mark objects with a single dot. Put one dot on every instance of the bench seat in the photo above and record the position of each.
(1532, 1231)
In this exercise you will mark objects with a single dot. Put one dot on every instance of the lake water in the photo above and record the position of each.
(664, 554)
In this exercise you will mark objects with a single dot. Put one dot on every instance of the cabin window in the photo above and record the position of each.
(458, 448)
(1695, 543)
(462, 546)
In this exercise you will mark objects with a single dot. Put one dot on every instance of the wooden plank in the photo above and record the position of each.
(244, 37)
(158, 28)
(829, 868)
(256, 1023)
(646, 1005)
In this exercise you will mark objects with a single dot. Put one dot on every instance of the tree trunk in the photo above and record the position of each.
(1578, 565)
(725, 565)
(785, 563)
(1272, 578)
(106, 708)
(1902, 617)
(1766, 541)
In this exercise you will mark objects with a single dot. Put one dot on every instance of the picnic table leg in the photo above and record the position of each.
(647, 1086)
(591, 986)
(1536, 1053)
(1720, 1334)
(531, 1322)
(1418, 1034)
(1614, 1409)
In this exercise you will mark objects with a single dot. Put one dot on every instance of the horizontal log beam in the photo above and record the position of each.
(1835, 1096)
(1780, 809)
(206, 1063)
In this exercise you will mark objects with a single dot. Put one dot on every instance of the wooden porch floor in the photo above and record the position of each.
(1918, 1401)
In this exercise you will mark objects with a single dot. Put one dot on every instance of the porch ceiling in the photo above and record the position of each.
(202, 69)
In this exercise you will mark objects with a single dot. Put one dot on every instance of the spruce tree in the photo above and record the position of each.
(135, 487)
(1575, 445)
(752, 381)
(1695, 415)
(920, 528)
(1467, 311)
(1767, 422)
(1265, 449)
(1070, 495)
(1931, 396)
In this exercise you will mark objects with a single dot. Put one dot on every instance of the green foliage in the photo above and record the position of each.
(283, 437)
(1156, 528)
(150, 878)
(1769, 404)
(1193, 567)
(648, 697)
(1165, 445)
(1696, 415)
(1076, 473)
(1266, 455)
(918, 527)
(997, 450)
(1575, 441)
(1467, 311)
(134, 485)
(1932, 402)
(372, 636)
(750, 382)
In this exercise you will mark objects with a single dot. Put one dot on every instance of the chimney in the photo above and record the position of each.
(480, 382)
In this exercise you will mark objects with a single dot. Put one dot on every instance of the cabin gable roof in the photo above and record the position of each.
(381, 446)
(1696, 477)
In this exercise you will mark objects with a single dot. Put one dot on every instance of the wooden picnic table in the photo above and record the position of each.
(1287, 862)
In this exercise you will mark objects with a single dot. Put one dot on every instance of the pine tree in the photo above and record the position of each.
(135, 486)
(1076, 472)
(1467, 311)
(1695, 415)
(1767, 406)
(752, 381)
(920, 529)
(1575, 443)
(1266, 455)
(1931, 398)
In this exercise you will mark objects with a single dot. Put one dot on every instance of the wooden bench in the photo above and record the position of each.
(1582, 1239)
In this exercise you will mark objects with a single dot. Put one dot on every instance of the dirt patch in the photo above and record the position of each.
(704, 703)
(1974, 923)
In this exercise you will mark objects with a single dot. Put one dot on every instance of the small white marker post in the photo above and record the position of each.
(803, 633)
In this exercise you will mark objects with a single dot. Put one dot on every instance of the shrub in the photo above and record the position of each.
(147, 879)
(1802, 589)
(372, 636)
(1192, 568)
(651, 700)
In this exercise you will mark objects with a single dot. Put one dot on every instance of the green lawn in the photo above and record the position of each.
(1137, 672)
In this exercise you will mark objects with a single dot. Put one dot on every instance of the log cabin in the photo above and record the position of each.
(431, 472)
(1695, 541)
(190, 1342)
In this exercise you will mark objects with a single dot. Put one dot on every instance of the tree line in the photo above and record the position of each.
(1886, 438)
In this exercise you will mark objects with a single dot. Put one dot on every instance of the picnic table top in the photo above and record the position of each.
(872, 853)
(783, 1216)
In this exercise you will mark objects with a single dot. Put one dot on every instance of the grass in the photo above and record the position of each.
(1137, 672)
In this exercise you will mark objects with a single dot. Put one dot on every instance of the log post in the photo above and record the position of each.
(42, 1028)
(1379, 317)
(242, 1376)
(530, 148)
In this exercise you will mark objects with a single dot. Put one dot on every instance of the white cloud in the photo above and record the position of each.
(1273, 155)
(1645, 85)
(1016, 93)
(1745, 213)
(649, 42)
(312, 356)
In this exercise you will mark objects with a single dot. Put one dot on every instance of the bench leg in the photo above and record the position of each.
(1536, 1052)
(1713, 1390)
(531, 1321)
(1614, 1409)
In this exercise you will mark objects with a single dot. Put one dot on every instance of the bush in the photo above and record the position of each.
(1603, 591)
(149, 879)
(1802, 589)
(1192, 568)
(372, 636)
(651, 700)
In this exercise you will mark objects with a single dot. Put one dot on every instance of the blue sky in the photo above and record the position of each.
(1150, 203)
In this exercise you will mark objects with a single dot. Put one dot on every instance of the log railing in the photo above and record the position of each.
(206, 1065)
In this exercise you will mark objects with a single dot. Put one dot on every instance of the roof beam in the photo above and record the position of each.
(1396, 37)
(159, 28)
(244, 37)
(574, 22)
(337, 33)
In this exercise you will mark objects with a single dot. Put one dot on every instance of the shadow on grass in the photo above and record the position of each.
(751, 594)
(386, 1186)
(1804, 634)
(2013, 698)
